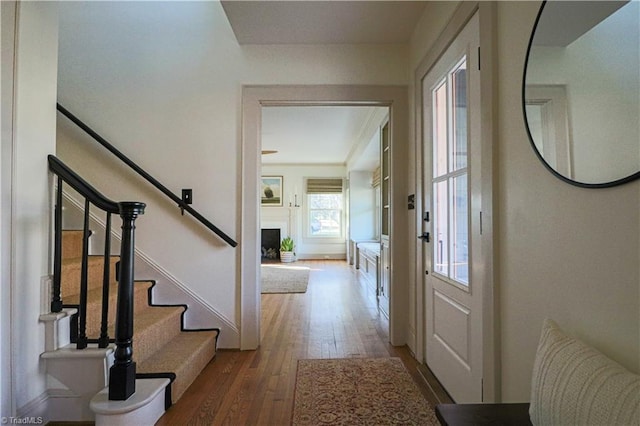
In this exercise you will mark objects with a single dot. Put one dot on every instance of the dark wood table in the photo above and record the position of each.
(483, 414)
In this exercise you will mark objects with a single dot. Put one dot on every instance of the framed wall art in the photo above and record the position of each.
(271, 191)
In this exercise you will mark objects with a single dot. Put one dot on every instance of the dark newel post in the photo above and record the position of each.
(122, 375)
(56, 300)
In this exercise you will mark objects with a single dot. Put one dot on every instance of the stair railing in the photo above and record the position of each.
(153, 181)
(123, 372)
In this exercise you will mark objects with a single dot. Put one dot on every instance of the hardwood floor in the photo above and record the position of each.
(335, 318)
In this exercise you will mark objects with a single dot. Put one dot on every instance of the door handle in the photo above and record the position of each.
(425, 237)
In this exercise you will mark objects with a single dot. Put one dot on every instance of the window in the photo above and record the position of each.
(325, 204)
(450, 176)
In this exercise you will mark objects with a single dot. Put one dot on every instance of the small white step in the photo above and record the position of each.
(73, 378)
(56, 328)
(142, 408)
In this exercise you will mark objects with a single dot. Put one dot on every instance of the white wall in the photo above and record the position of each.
(565, 252)
(293, 184)
(7, 28)
(163, 82)
(562, 252)
(34, 138)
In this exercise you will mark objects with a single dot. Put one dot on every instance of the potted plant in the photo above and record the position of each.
(286, 250)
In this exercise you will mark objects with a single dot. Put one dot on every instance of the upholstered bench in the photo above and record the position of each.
(572, 384)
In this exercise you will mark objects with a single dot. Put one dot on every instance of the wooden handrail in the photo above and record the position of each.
(82, 186)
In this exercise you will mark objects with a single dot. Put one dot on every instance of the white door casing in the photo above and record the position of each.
(253, 99)
(452, 195)
(548, 123)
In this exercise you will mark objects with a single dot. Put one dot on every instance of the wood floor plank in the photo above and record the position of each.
(336, 318)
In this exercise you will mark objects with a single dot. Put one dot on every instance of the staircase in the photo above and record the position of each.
(127, 349)
(162, 348)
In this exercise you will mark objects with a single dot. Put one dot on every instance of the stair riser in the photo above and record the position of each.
(147, 338)
(186, 356)
(94, 308)
(71, 275)
(71, 244)
(147, 342)
(185, 376)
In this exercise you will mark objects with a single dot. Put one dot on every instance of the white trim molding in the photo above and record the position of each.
(488, 100)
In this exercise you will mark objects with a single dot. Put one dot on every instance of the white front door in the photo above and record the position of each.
(452, 255)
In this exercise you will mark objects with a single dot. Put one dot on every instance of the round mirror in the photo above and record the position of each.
(581, 91)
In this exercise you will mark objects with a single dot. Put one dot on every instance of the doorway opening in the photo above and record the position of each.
(317, 187)
(257, 100)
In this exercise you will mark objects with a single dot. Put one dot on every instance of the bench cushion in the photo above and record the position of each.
(574, 384)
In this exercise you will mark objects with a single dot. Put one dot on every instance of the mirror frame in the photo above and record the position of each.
(609, 184)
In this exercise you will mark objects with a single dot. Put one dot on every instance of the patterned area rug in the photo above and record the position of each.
(284, 278)
(358, 391)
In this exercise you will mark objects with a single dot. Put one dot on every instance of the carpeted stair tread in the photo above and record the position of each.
(186, 355)
(151, 329)
(71, 273)
(94, 295)
(94, 303)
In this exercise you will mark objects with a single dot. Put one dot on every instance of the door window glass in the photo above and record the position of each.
(450, 175)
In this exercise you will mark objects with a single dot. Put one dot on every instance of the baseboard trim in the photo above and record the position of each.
(35, 411)
(322, 256)
(411, 343)
(434, 384)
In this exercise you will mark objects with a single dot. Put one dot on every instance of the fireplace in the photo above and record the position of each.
(270, 244)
